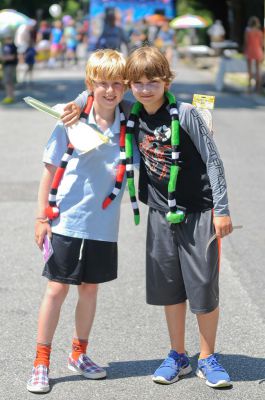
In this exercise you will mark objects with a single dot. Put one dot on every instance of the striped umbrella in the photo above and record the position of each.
(10, 20)
(188, 21)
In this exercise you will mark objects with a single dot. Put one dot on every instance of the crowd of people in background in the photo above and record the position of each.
(52, 44)
(57, 41)
(55, 44)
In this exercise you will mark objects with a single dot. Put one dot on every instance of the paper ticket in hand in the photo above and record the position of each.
(82, 136)
(204, 103)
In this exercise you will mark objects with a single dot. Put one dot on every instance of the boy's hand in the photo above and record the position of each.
(71, 114)
(223, 226)
(41, 229)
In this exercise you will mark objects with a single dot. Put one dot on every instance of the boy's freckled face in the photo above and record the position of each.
(149, 92)
(107, 93)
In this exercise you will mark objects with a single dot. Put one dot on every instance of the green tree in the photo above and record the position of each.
(28, 7)
(194, 7)
(71, 7)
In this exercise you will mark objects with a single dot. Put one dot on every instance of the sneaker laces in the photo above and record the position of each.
(170, 362)
(214, 365)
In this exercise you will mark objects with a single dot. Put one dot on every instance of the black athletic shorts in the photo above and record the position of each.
(179, 265)
(81, 260)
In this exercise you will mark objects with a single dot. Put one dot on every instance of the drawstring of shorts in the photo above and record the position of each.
(81, 250)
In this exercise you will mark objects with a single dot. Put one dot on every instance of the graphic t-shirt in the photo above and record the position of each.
(201, 181)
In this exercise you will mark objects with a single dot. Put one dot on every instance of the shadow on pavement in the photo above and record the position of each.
(243, 368)
(62, 90)
(240, 368)
(50, 91)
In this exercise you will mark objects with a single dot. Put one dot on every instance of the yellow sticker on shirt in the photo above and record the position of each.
(203, 101)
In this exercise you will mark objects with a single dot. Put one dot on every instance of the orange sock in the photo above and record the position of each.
(78, 347)
(43, 355)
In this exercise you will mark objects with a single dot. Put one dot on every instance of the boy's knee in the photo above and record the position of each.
(88, 289)
(57, 291)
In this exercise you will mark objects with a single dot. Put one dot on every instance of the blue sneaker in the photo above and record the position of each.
(174, 366)
(215, 375)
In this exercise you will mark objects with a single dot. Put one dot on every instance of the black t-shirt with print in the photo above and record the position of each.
(153, 137)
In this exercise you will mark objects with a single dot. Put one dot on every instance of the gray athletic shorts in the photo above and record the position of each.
(177, 264)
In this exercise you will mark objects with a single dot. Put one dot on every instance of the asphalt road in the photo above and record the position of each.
(130, 337)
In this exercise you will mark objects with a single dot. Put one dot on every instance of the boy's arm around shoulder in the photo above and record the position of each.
(73, 109)
(193, 123)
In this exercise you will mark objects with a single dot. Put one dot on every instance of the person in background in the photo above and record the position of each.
(165, 41)
(29, 57)
(43, 41)
(254, 52)
(44, 31)
(216, 31)
(70, 39)
(22, 40)
(144, 27)
(112, 36)
(138, 35)
(9, 60)
(56, 43)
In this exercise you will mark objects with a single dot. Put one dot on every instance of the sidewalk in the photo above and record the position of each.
(233, 81)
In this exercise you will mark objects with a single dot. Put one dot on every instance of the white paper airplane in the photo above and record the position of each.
(83, 137)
